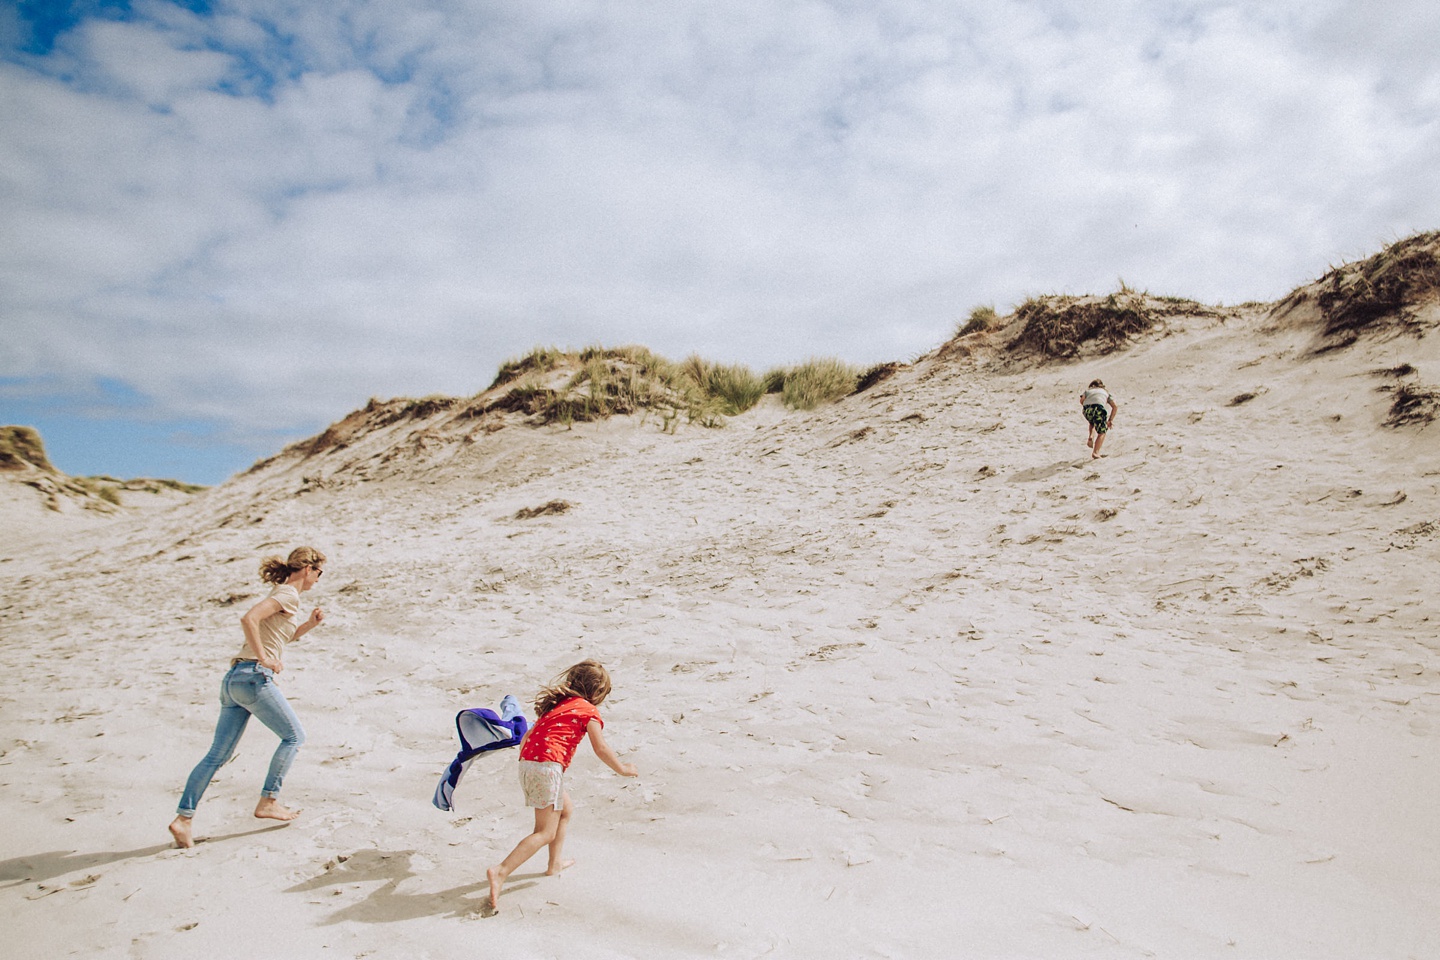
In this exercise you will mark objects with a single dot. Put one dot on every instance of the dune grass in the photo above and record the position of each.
(879, 373)
(538, 360)
(1414, 405)
(817, 381)
(21, 447)
(981, 318)
(566, 387)
(1058, 326)
(1381, 290)
(735, 386)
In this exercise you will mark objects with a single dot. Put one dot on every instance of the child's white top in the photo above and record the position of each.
(1097, 395)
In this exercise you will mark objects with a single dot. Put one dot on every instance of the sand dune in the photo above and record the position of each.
(909, 676)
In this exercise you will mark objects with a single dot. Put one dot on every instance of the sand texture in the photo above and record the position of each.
(907, 676)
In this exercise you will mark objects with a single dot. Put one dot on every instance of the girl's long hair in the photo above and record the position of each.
(275, 570)
(587, 679)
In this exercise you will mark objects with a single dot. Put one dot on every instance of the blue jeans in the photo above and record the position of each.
(247, 689)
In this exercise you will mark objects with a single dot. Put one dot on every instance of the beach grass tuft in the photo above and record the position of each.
(981, 319)
(1413, 405)
(817, 381)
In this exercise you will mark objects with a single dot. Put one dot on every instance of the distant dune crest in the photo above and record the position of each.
(1395, 292)
(30, 478)
(22, 449)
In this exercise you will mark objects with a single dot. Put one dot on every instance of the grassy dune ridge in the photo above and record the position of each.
(565, 386)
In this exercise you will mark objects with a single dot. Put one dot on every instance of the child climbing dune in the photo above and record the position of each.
(1093, 400)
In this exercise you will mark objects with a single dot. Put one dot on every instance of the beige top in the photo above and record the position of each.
(277, 629)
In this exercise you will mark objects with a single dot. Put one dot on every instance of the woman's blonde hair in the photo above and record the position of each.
(1097, 383)
(275, 570)
(587, 679)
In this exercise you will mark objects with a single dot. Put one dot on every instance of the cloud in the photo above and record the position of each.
(267, 199)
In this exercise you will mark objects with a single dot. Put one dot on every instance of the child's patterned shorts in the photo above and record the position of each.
(542, 782)
(1098, 417)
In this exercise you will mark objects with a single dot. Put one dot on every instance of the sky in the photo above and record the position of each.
(225, 224)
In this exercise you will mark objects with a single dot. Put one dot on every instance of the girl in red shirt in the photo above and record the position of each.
(565, 714)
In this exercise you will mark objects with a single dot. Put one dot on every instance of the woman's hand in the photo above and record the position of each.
(317, 617)
(274, 666)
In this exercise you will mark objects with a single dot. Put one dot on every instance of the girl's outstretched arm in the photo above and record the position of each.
(607, 755)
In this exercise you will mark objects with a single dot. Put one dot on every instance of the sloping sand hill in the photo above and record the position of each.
(40, 504)
(909, 676)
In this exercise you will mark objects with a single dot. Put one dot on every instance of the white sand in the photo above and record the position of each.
(906, 677)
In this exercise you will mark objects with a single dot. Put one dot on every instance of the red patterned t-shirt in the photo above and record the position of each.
(557, 735)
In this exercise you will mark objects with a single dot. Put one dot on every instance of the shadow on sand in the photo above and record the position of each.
(39, 867)
(386, 904)
(1046, 472)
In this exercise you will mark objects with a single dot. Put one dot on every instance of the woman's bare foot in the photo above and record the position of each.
(270, 809)
(493, 875)
(180, 830)
(557, 867)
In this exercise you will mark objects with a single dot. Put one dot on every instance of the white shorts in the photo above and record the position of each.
(543, 782)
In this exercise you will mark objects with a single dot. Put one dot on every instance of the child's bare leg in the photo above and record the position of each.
(545, 822)
(1095, 450)
(271, 809)
(180, 830)
(556, 862)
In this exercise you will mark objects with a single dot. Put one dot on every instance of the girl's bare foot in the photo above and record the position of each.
(270, 809)
(493, 875)
(180, 830)
(1089, 441)
(557, 867)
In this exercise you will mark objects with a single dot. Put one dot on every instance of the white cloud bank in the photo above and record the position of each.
(269, 201)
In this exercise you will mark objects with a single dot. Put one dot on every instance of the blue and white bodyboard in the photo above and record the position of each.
(481, 731)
